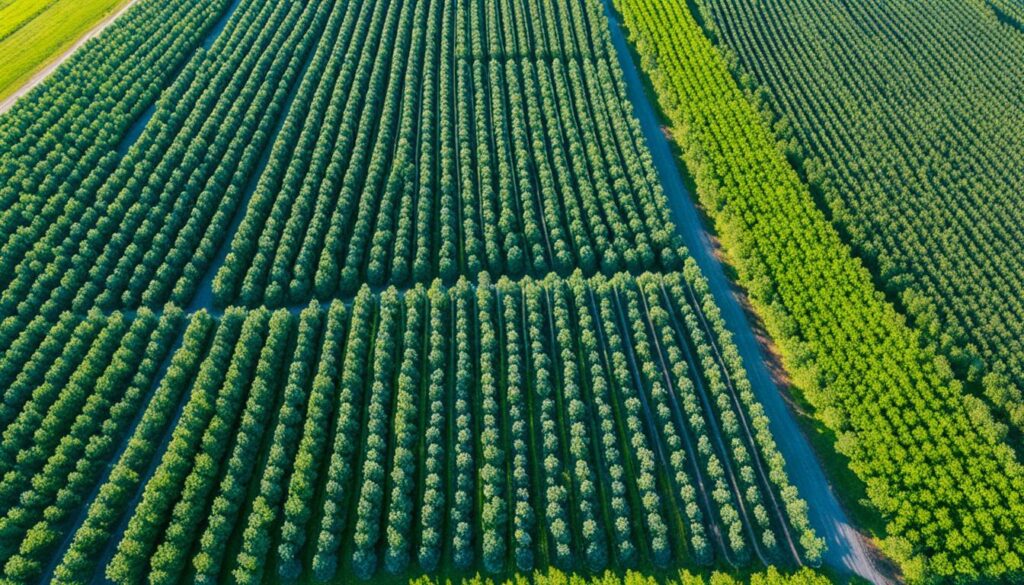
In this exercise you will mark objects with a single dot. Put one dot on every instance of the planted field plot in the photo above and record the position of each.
(375, 289)
(926, 182)
(471, 144)
(60, 146)
(924, 446)
(475, 147)
(218, 224)
(578, 423)
(33, 32)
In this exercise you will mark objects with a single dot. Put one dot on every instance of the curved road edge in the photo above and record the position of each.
(846, 552)
(40, 76)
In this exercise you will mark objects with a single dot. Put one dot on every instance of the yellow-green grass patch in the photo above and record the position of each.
(33, 32)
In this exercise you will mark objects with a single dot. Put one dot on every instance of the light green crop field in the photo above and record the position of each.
(32, 32)
(14, 14)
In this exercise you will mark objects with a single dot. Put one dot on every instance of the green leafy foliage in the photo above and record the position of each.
(923, 181)
(529, 409)
(924, 447)
(431, 443)
(346, 164)
(227, 504)
(128, 474)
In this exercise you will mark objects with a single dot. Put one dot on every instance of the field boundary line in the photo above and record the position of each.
(43, 74)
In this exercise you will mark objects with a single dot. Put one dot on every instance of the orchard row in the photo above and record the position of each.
(321, 145)
(584, 424)
(935, 463)
(65, 137)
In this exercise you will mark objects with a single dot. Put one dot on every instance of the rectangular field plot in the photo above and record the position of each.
(578, 423)
(318, 146)
(324, 291)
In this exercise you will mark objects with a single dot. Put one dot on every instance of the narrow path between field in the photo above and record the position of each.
(846, 551)
(203, 296)
(83, 511)
(41, 75)
(135, 130)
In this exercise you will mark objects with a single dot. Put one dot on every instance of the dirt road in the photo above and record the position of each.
(847, 553)
(52, 66)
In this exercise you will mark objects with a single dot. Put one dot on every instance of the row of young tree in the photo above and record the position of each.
(357, 144)
(152, 228)
(427, 164)
(211, 405)
(64, 137)
(47, 231)
(504, 426)
(924, 182)
(534, 29)
(926, 448)
(68, 430)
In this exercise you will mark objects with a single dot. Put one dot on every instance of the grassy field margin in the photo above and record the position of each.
(28, 44)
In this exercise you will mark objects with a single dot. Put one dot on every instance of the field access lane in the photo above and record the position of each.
(41, 75)
(847, 553)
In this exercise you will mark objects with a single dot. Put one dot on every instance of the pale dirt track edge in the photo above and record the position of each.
(847, 553)
(41, 75)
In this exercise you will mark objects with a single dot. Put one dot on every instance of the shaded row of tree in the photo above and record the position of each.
(497, 425)
(348, 164)
(926, 447)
